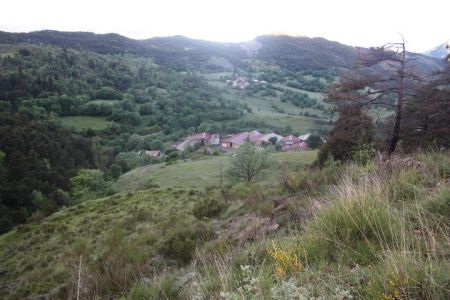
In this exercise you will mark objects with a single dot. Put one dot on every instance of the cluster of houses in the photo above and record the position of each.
(241, 84)
(234, 141)
(287, 143)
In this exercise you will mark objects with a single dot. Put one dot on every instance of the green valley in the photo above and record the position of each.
(176, 168)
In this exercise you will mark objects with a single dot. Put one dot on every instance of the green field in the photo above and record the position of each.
(269, 109)
(100, 101)
(85, 122)
(200, 173)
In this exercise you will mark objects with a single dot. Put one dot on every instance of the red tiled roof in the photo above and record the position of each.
(255, 136)
(239, 138)
(200, 136)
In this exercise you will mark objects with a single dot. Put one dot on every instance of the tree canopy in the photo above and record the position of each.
(249, 163)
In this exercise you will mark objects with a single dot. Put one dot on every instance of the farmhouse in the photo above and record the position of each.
(234, 141)
(203, 138)
(239, 83)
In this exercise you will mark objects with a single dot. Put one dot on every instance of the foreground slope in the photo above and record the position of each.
(379, 231)
(39, 258)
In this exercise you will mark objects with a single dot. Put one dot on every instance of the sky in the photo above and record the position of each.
(424, 24)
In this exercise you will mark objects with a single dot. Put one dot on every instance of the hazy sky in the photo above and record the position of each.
(424, 24)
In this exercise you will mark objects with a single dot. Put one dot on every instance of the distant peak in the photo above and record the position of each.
(283, 33)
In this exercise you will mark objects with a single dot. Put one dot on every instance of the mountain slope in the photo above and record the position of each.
(300, 53)
(182, 53)
(379, 231)
(438, 51)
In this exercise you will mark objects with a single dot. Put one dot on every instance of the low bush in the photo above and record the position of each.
(117, 268)
(439, 204)
(208, 207)
(165, 287)
(437, 162)
(408, 276)
(405, 185)
(311, 180)
(180, 241)
(352, 229)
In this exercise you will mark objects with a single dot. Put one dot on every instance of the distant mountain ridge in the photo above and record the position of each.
(438, 51)
(182, 53)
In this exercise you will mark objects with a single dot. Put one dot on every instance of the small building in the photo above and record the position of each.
(234, 141)
(239, 83)
(257, 82)
(304, 137)
(152, 153)
(203, 138)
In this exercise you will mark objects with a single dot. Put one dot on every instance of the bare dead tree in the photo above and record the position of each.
(382, 77)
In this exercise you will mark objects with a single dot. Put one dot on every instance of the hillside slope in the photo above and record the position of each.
(201, 173)
(365, 232)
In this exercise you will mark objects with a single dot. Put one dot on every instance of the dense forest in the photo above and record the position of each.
(41, 84)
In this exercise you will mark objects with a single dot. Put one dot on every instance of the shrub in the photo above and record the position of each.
(87, 184)
(408, 276)
(311, 180)
(353, 228)
(208, 207)
(285, 261)
(179, 243)
(437, 162)
(352, 130)
(405, 185)
(165, 287)
(440, 204)
(115, 269)
(314, 141)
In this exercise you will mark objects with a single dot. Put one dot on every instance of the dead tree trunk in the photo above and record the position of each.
(399, 108)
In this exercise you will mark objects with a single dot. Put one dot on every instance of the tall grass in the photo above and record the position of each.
(383, 234)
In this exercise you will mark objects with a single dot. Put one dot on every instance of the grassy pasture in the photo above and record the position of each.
(85, 122)
(200, 173)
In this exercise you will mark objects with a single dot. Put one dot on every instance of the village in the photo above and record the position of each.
(214, 142)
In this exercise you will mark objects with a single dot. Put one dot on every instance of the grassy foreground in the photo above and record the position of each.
(378, 231)
(41, 258)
